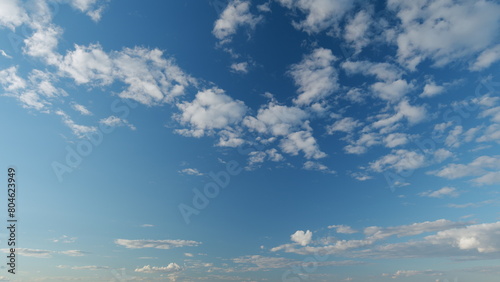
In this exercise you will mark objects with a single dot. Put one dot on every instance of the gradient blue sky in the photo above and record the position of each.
(351, 140)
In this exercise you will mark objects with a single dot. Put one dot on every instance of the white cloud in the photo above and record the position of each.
(240, 67)
(276, 120)
(78, 130)
(2, 52)
(301, 237)
(431, 90)
(157, 244)
(191, 171)
(87, 64)
(392, 91)
(487, 167)
(310, 165)
(408, 273)
(395, 139)
(81, 109)
(12, 14)
(320, 14)
(211, 109)
(482, 238)
(486, 58)
(43, 43)
(302, 141)
(399, 160)
(382, 71)
(236, 14)
(413, 114)
(343, 229)
(90, 7)
(171, 267)
(442, 30)
(315, 76)
(347, 124)
(441, 155)
(10, 80)
(440, 193)
(356, 31)
(114, 121)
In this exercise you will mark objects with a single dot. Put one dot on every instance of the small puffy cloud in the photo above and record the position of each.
(211, 109)
(301, 237)
(315, 76)
(431, 90)
(356, 31)
(276, 120)
(441, 193)
(191, 171)
(395, 139)
(171, 267)
(303, 141)
(157, 244)
(239, 67)
(392, 91)
(93, 8)
(347, 125)
(237, 14)
(399, 160)
(441, 155)
(114, 121)
(320, 14)
(10, 81)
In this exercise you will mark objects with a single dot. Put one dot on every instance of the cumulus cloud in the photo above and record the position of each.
(303, 141)
(302, 238)
(347, 125)
(356, 31)
(444, 31)
(399, 160)
(239, 67)
(12, 14)
(320, 14)
(210, 110)
(237, 14)
(276, 119)
(315, 76)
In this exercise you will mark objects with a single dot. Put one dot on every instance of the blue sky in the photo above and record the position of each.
(233, 140)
